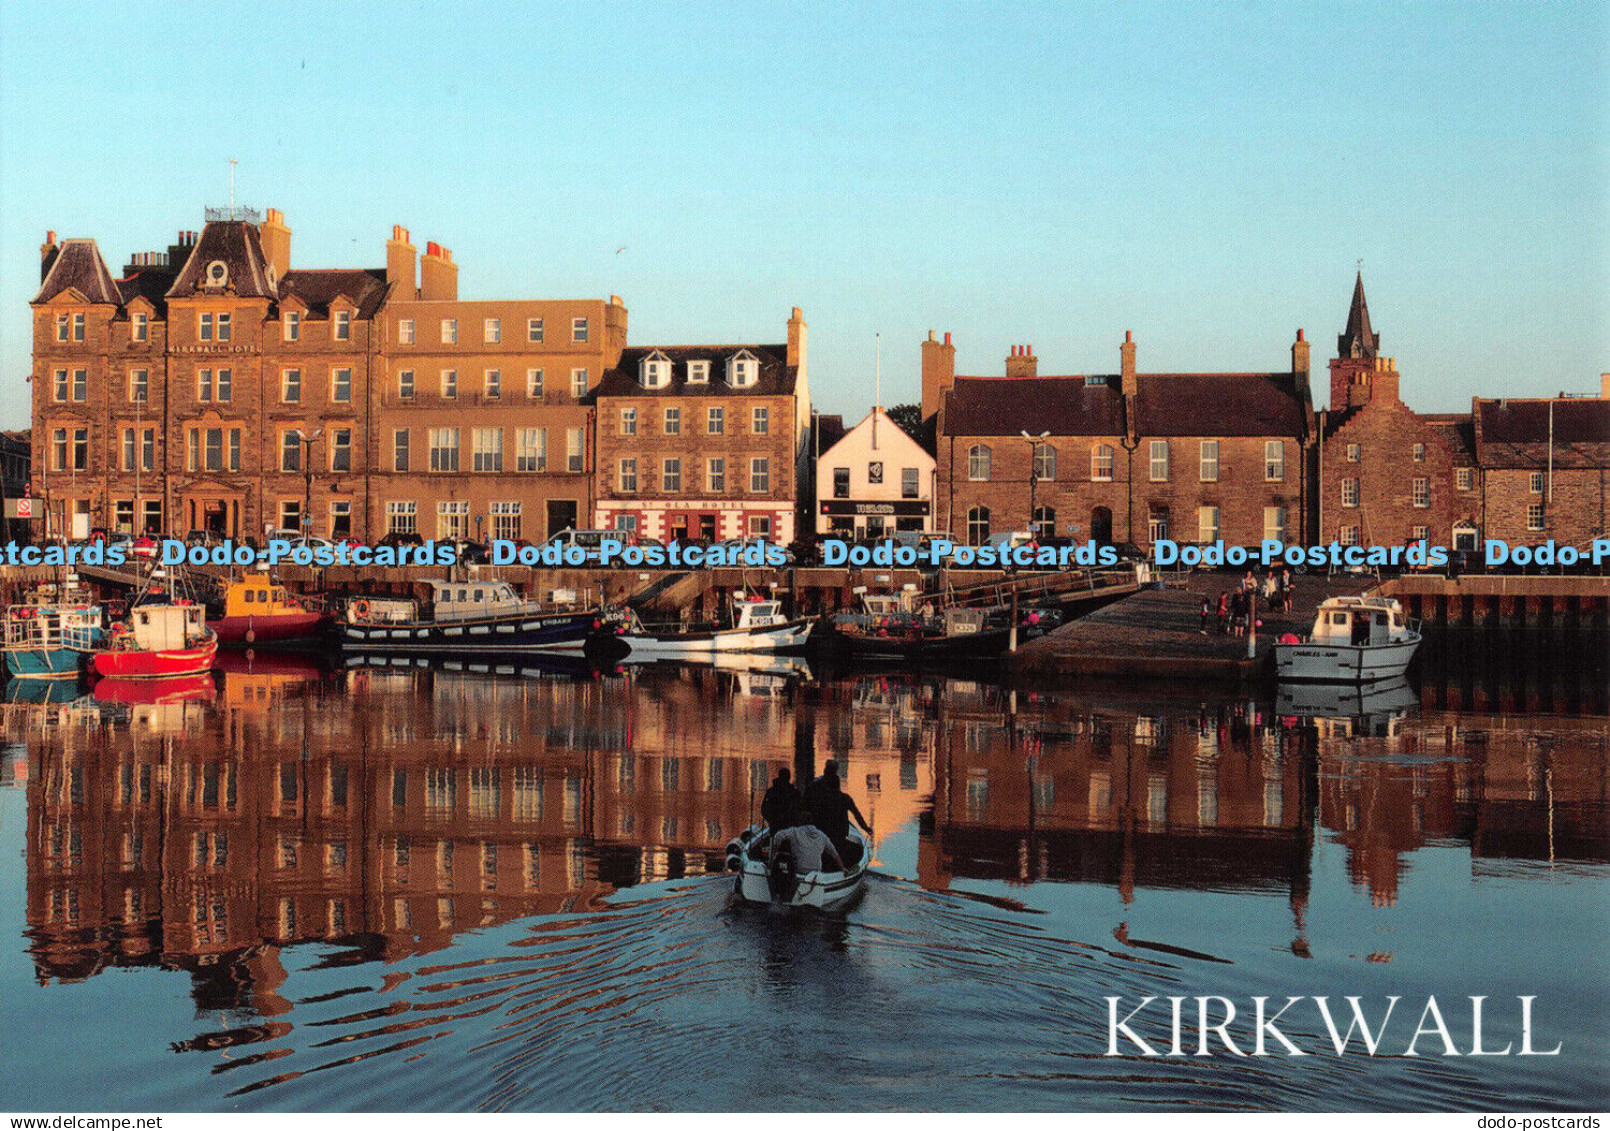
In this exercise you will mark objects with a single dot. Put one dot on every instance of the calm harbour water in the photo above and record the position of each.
(394, 888)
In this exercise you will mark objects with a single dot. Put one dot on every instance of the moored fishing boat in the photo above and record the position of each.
(156, 642)
(50, 640)
(1354, 640)
(883, 631)
(476, 617)
(755, 625)
(767, 878)
(257, 611)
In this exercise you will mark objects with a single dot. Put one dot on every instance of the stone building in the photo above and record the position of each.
(873, 480)
(1127, 457)
(214, 387)
(706, 442)
(1545, 468)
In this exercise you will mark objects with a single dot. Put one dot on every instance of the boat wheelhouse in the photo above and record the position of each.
(258, 611)
(472, 616)
(755, 625)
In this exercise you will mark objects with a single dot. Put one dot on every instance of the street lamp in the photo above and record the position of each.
(306, 438)
(1034, 473)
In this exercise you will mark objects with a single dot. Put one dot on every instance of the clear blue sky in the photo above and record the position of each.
(1054, 174)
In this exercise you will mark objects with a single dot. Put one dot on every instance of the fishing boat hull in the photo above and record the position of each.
(823, 891)
(276, 628)
(764, 638)
(931, 648)
(558, 632)
(134, 663)
(1344, 663)
(44, 663)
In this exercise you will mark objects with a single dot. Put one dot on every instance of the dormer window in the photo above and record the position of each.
(343, 325)
(140, 330)
(743, 370)
(656, 371)
(217, 273)
(291, 326)
(698, 372)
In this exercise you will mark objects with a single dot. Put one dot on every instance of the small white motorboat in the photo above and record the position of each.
(755, 626)
(764, 880)
(1354, 640)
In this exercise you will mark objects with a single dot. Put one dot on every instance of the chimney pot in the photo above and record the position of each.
(947, 337)
(1300, 337)
(50, 236)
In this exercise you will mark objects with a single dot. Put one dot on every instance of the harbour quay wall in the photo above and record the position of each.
(1568, 603)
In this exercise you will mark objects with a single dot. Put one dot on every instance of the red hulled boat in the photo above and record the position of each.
(157, 642)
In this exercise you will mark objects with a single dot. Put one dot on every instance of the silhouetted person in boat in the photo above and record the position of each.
(781, 805)
(831, 809)
(811, 849)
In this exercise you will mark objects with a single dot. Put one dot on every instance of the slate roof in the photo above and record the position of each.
(1219, 404)
(776, 378)
(79, 266)
(1006, 406)
(317, 289)
(1358, 327)
(151, 285)
(236, 244)
(1515, 433)
(1460, 432)
(829, 431)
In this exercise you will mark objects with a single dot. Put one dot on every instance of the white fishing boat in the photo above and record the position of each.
(762, 879)
(1354, 640)
(754, 626)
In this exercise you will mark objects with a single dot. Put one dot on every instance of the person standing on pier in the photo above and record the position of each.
(1206, 610)
(1224, 611)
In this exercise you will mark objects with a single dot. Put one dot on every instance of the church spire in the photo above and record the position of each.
(1358, 340)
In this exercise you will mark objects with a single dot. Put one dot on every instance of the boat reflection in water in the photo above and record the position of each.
(404, 874)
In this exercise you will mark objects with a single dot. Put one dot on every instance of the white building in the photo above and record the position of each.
(873, 481)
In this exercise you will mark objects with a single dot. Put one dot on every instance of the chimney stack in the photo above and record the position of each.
(276, 239)
(938, 372)
(1128, 383)
(401, 264)
(438, 274)
(1604, 386)
(796, 341)
(47, 255)
(1299, 356)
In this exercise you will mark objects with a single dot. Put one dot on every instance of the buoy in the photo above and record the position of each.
(251, 636)
(360, 607)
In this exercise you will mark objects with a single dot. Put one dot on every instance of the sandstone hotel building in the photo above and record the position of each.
(215, 387)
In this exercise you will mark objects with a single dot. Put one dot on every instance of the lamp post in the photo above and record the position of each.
(1034, 473)
(306, 438)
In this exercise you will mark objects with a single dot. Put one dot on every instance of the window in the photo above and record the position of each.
(1420, 533)
(1274, 523)
(978, 461)
(452, 520)
(1534, 516)
(1101, 463)
(140, 328)
(487, 449)
(63, 327)
(401, 517)
(343, 325)
(1043, 522)
(673, 422)
(492, 331)
(698, 372)
(290, 451)
(578, 329)
(1157, 524)
(1354, 454)
(977, 526)
(1094, 382)
(656, 373)
(223, 327)
(58, 450)
(148, 450)
(449, 384)
(405, 331)
(449, 331)
(743, 370)
(533, 329)
(1274, 461)
(1350, 535)
(291, 326)
(204, 327)
(340, 449)
(60, 386)
(78, 327)
(506, 520)
(628, 422)
(1422, 491)
(1209, 472)
(715, 421)
(399, 449)
(405, 385)
(578, 383)
(341, 386)
(715, 475)
(531, 450)
(1045, 462)
(841, 483)
(129, 449)
(910, 482)
(1207, 524)
(874, 473)
(1419, 451)
(628, 476)
(760, 475)
(139, 386)
(494, 384)
(1464, 478)
(760, 526)
(1350, 492)
(671, 475)
(444, 449)
(533, 384)
(290, 514)
(204, 386)
(341, 518)
(290, 386)
(760, 421)
(575, 448)
(1159, 461)
(214, 449)
(1536, 482)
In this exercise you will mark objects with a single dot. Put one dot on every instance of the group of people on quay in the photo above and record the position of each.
(1235, 609)
(814, 823)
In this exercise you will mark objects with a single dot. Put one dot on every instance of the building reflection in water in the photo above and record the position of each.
(384, 809)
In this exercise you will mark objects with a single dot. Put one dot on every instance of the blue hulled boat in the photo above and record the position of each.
(48, 640)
